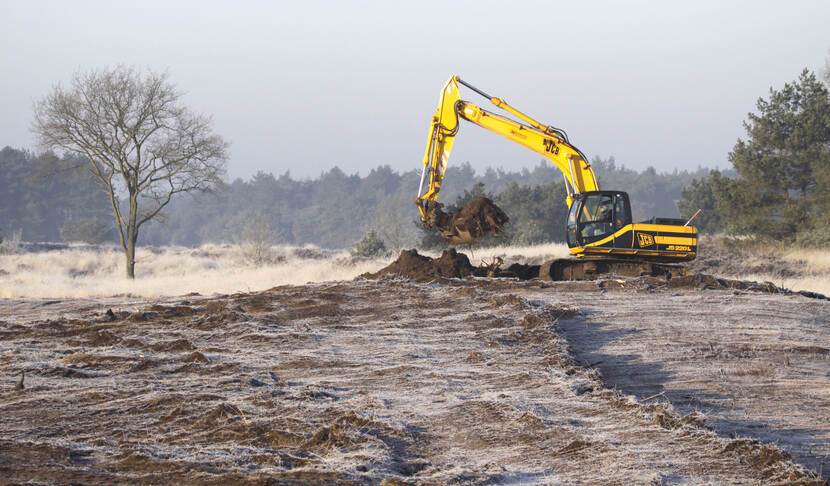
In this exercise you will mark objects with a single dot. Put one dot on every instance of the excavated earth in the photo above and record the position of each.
(481, 217)
(452, 264)
(425, 373)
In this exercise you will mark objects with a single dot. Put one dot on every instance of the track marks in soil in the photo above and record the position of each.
(753, 364)
(355, 382)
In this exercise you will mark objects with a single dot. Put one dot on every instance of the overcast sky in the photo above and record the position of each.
(305, 86)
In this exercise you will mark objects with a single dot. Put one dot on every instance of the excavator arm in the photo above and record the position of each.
(549, 142)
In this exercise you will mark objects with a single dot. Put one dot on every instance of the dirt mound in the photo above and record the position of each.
(453, 264)
(410, 264)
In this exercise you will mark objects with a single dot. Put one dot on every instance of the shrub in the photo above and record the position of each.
(370, 246)
(256, 242)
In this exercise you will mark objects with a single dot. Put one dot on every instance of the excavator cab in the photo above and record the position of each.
(598, 215)
(600, 225)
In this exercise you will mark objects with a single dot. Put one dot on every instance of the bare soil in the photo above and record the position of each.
(754, 365)
(391, 381)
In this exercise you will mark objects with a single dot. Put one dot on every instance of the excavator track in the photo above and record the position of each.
(594, 268)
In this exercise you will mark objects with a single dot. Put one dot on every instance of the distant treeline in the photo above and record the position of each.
(334, 210)
(39, 202)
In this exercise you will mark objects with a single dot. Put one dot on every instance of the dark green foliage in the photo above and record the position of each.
(784, 167)
(370, 246)
(537, 213)
(699, 195)
(38, 200)
(651, 193)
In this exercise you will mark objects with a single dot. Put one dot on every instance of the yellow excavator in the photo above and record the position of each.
(599, 222)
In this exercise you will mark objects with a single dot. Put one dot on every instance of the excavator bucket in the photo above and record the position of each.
(457, 235)
(477, 219)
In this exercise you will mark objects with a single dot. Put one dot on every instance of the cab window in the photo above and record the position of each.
(621, 212)
(597, 217)
(573, 223)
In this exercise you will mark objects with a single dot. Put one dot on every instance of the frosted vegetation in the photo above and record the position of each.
(91, 271)
(815, 275)
(98, 271)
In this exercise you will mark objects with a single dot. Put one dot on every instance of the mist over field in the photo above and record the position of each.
(334, 210)
(81, 271)
(208, 269)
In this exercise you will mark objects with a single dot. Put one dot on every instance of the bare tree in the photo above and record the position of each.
(138, 141)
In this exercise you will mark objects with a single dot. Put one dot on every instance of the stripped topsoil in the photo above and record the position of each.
(451, 264)
(389, 382)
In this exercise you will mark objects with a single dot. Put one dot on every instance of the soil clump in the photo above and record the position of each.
(477, 219)
(482, 217)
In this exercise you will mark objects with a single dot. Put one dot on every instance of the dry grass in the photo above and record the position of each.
(209, 269)
(790, 267)
(817, 268)
(815, 259)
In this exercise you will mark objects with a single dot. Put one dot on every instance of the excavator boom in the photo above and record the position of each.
(547, 141)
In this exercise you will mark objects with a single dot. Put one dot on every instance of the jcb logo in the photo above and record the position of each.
(550, 146)
(645, 240)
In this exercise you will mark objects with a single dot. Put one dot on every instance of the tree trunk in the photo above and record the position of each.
(132, 235)
(130, 253)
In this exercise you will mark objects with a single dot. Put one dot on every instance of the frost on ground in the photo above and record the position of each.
(755, 365)
(356, 382)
